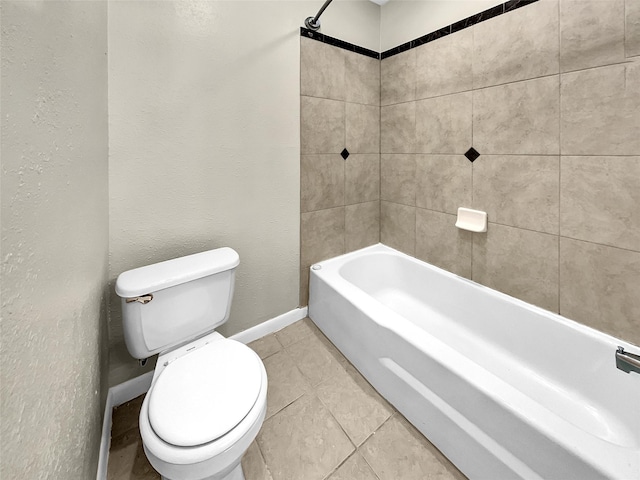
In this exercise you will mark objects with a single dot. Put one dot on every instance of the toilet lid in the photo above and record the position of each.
(204, 394)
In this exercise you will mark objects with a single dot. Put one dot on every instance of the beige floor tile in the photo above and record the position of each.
(357, 407)
(127, 460)
(125, 416)
(316, 358)
(296, 332)
(266, 346)
(286, 383)
(303, 441)
(254, 466)
(355, 468)
(399, 451)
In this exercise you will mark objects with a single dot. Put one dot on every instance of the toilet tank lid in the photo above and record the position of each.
(170, 273)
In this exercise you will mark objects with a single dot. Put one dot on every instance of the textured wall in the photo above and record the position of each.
(204, 142)
(339, 198)
(549, 95)
(54, 237)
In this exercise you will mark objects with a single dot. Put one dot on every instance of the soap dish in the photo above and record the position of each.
(471, 220)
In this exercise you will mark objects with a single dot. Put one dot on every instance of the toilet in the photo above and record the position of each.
(208, 396)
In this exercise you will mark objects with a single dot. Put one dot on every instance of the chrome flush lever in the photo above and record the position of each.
(144, 299)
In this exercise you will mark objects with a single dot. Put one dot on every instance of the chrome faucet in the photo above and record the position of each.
(627, 362)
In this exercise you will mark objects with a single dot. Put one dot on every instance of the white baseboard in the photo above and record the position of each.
(270, 326)
(118, 394)
(126, 391)
(105, 440)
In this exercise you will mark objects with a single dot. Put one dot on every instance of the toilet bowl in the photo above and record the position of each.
(207, 399)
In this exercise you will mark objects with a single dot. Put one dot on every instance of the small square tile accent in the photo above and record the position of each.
(472, 154)
(344, 153)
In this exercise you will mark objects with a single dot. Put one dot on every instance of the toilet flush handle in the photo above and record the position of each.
(144, 299)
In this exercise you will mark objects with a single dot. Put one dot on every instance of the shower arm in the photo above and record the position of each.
(313, 23)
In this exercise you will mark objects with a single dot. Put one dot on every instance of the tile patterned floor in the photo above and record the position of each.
(324, 421)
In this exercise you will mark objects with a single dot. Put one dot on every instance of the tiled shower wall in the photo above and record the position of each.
(340, 110)
(549, 95)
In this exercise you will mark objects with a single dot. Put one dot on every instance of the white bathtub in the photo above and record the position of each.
(504, 389)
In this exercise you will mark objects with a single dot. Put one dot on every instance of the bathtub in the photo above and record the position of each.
(502, 388)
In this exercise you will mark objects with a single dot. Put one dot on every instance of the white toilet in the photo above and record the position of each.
(208, 396)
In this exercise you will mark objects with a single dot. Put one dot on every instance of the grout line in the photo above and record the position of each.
(559, 145)
(380, 152)
(328, 475)
(600, 244)
(338, 100)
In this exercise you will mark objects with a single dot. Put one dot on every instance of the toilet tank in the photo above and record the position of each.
(169, 303)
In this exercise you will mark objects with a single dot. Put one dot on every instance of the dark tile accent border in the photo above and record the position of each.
(305, 32)
(429, 37)
(456, 27)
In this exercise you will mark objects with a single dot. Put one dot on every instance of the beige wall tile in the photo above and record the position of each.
(398, 178)
(322, 70)
(516, 46)
(444, 65)
(600, 197)
(600, 286)
(322, 125)
(520, 191)
(517, 118)
(440, 243)
(520, 263)
(357, 407)
(443, 182)
(398, 226)
(363, 128)
(321, 182)
(591, 33)
(399, 451)
(362, 79)
(362, 174)
(398, 78)
(632, 28)
(362, 225)
(599, 111)
(398, 128)
(303, 296)
(303, 441)
(321, 235)
(443, 124)
(355, 468)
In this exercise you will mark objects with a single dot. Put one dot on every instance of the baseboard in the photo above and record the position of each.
(105, 440)
(118, 394)
(270, 326)
(126, 391)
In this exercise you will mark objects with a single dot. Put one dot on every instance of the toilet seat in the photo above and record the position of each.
(204, 394)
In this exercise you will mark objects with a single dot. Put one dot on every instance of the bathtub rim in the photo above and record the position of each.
(382, 248)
